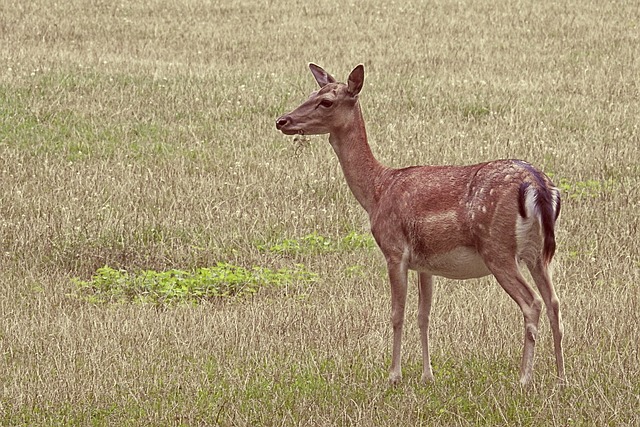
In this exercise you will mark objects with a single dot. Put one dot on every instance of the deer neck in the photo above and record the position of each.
(360, 167)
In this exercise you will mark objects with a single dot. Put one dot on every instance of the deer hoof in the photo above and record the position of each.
(395, 379)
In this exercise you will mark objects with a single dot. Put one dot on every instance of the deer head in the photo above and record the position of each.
(327, 109)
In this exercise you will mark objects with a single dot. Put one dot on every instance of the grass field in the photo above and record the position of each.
(140, 136)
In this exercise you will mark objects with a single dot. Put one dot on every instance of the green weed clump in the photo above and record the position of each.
(590, 188)
(315, 243)
(180, 286)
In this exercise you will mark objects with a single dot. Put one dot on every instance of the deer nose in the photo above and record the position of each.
(281, 122)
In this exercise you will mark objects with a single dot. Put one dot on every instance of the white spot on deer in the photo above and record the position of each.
(441, 217)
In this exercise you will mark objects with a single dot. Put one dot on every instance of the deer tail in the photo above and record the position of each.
(540, 199)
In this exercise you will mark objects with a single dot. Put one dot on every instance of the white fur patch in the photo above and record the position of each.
(528, 237)
(460, 263)
(437, 218)
(555, 196)
(530, 199)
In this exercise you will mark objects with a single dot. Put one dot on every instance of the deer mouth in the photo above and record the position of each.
(291, 131)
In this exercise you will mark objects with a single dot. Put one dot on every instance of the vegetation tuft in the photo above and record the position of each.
(180, 286)
(315, 243)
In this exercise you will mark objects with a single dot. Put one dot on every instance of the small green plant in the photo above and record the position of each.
(315, 243)
(590, 188)
(475, 111)
(355, 240)
(180, 286)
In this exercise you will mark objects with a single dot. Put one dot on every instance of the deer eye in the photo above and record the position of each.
(326, 103)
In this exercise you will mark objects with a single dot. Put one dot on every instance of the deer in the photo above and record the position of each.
(457, 222)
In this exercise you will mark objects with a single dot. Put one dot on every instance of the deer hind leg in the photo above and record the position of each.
(398, 279)
(542, 277)
(425, 297)
(511, 280)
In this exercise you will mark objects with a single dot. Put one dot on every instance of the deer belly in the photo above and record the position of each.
(460, 263)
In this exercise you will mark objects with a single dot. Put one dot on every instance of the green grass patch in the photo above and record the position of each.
(587, 189)
(315, 243)
(180, 286)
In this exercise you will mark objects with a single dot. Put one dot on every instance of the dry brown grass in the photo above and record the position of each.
(141, 136)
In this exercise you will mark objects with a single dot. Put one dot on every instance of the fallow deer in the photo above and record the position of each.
(459, 222)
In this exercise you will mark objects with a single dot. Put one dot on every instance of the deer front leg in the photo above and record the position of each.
(425, 297)
(398, 280)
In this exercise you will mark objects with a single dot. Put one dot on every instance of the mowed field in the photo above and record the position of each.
(140, 136)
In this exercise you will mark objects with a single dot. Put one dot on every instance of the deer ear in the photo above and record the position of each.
(356, 80)
(322, 77)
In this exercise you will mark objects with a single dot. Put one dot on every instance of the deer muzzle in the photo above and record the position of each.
(283, 123)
